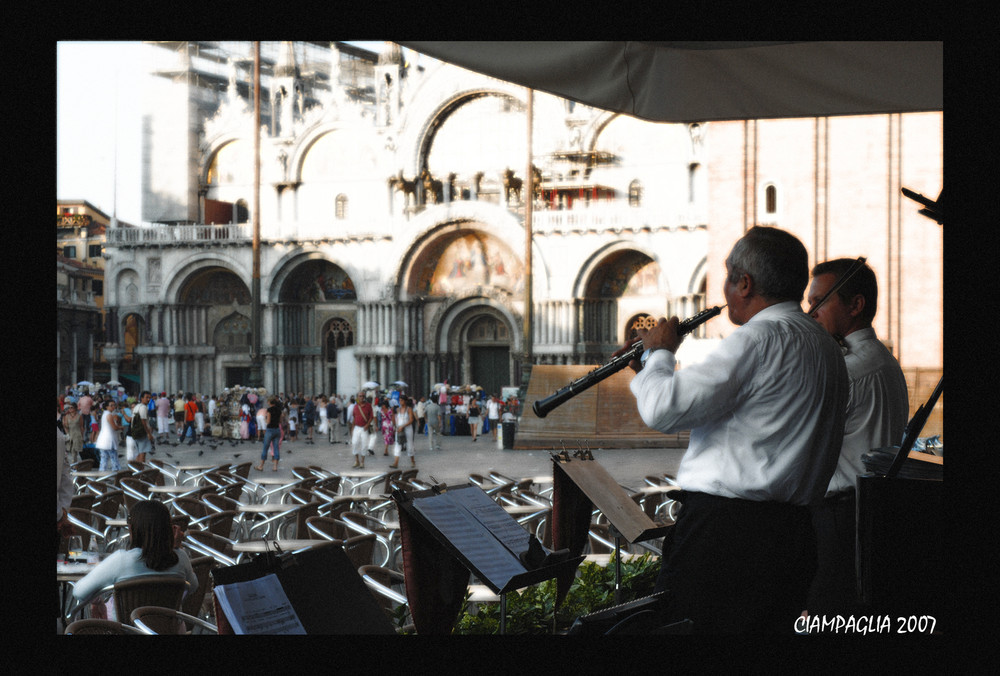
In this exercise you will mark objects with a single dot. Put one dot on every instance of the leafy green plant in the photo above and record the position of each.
(532, 611)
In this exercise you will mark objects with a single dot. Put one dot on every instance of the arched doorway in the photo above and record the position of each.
(316, 304)
(487, 338)
(232, 341)
(338, 334)
(130, 367)
(622, 284)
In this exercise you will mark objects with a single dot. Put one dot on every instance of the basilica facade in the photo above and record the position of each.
(394, 212)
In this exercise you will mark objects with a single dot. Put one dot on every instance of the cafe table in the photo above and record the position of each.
(356, 477)
(274, 511)
(194, 471)
(278, 486)
(68, 573)
(80, 477)
(266, 545)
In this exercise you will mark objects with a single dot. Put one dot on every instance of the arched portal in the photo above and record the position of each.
(132, 333)
(206, 302)
(625, 283)
(488, 341)
(479, 337)
(338, 336)
(315, 320)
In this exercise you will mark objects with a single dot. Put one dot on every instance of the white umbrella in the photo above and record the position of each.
(113, 383)
(370, 385)
(400, 383)
(84, 383)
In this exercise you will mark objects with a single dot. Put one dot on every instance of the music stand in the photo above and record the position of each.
(583, 483)
(475, 534)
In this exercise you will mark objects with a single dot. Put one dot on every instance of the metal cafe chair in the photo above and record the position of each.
(98, 627)
(327, 528)
(194, 603)
(154, 620)
(365, 524)
(128, 594)
(205, 543)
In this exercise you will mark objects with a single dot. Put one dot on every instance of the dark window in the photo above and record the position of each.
(69, 251)
(771, 200)
(94, 251)
(97, 286)
(693, 171)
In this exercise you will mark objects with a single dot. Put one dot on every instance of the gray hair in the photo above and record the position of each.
(776, 261)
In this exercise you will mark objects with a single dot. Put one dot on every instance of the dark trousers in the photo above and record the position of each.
(189, 425)
(834, 589)
(737, 566)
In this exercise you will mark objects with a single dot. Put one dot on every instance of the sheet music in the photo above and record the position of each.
(259, 607)
(505, 528)
(487, 554)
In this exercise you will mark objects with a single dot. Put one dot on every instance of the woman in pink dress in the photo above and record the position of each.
(388, 428)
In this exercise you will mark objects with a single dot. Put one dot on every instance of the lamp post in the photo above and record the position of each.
(528, 283)
(255, 366)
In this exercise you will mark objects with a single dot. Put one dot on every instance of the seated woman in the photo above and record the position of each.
(152, 549)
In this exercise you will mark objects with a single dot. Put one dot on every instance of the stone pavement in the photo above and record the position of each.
(451, 465)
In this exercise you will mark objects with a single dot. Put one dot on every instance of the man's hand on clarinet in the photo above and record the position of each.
(635, 364)
(663, 336)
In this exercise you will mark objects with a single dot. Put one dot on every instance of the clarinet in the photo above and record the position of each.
(542, 407)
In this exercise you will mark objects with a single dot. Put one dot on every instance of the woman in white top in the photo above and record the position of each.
(107, 438)
(405, 422)
(324, 422)
(152, 550)
(199, 416)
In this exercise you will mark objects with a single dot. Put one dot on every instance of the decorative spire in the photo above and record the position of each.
(286, 66)
(391, 54)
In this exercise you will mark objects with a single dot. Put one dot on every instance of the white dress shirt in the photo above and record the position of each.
(877, 406)
(766, 409)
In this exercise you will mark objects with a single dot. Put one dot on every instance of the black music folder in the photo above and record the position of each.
(322, 585)
(488, 541)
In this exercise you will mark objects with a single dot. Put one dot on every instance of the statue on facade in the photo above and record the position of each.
(433, 189)
(511, 184)
(408, 187)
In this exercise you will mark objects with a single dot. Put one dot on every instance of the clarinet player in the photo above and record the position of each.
(766, 413)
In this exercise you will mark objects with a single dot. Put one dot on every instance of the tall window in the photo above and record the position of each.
(634, 193)
(339, 334)
(693, 171)
(241, 214)
(770, 200)
(341, 207)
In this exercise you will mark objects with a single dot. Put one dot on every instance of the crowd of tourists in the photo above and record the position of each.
(99, 422)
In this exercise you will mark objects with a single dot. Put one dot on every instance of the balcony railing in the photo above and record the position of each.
(593, 219)
(177, 234)
(609, 219)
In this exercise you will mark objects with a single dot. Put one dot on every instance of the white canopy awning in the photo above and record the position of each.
(703, 81)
